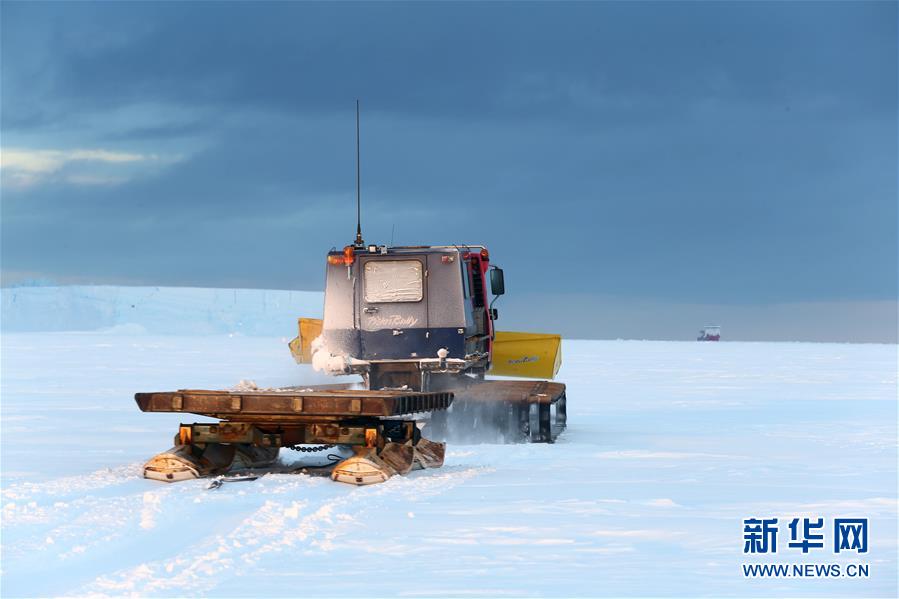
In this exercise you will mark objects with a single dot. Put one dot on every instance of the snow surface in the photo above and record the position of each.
(670, 446)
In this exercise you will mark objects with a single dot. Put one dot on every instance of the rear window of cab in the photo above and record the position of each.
(393, 281)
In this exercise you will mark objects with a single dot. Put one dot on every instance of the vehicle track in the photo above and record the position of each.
(286, 515)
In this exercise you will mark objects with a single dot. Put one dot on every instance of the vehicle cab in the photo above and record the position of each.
(397, 312)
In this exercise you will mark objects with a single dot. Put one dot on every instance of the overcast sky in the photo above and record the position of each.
(739, 157)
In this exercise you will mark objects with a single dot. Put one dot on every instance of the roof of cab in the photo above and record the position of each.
(413, 249)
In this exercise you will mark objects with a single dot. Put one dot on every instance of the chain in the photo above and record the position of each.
(309, 449)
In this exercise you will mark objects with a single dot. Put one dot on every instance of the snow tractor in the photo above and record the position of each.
(416, 324)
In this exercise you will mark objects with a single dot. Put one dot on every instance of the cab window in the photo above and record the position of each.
(393, 281)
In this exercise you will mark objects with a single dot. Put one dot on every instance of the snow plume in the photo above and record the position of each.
(471, 422)
(324, 361)
(333, 364)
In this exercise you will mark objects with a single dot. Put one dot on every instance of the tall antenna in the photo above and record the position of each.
(359, 242)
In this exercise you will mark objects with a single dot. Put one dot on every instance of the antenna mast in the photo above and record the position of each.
(359, 242)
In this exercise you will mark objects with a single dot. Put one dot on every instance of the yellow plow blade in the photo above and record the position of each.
(301, 345)
(530, 355)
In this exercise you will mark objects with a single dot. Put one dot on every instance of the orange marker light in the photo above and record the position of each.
(371, 437)
(345, 259)
(185, 434)
(485, 254)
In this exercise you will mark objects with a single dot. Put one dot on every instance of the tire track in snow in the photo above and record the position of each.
(73, 485)
(291, 522)
(79, 527)
(57, 512)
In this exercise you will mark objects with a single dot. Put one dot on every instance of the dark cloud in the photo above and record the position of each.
(477, 61)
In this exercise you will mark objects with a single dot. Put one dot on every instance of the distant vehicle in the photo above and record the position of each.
(710, 332)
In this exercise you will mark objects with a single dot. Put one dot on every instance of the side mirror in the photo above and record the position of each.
(494, 315)
(497, 285)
